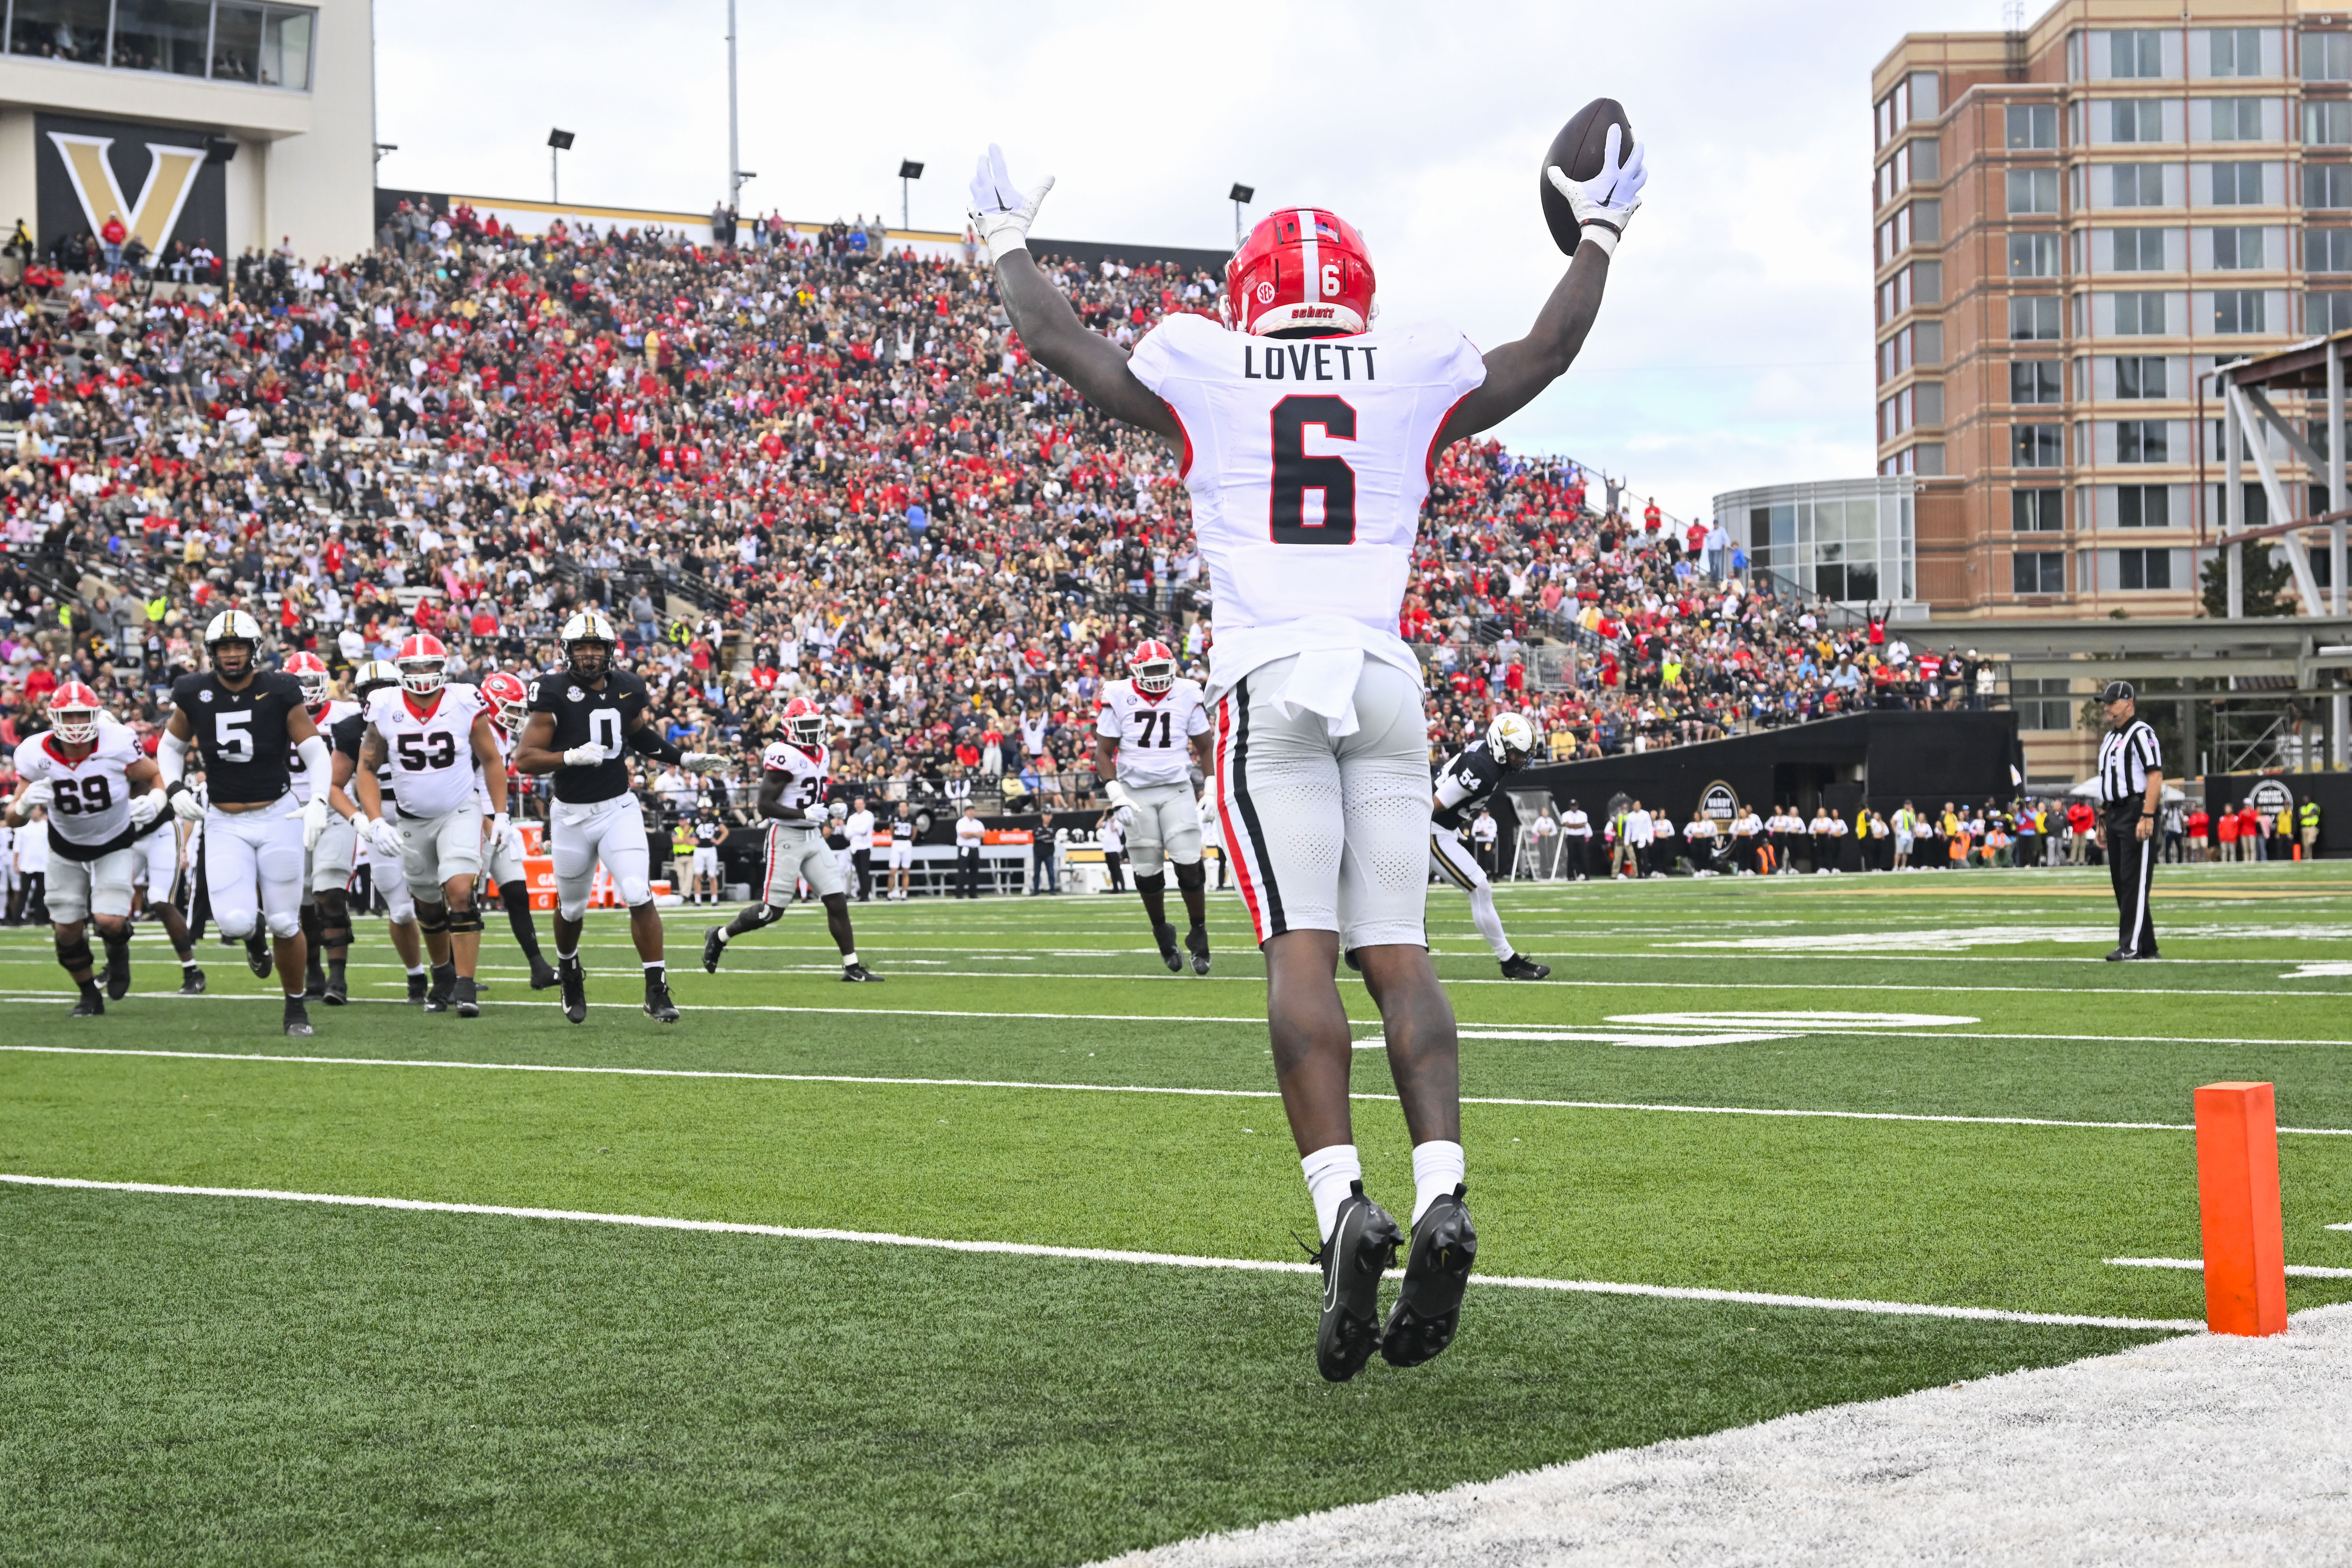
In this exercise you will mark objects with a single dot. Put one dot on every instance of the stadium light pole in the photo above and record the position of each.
(1241, 196)
(558, 143)
(909, 170)
(734, 153)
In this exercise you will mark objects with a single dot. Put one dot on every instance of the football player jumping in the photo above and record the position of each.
(1465, 784)
(1153, 729)
(1308, 436)
(101, 791)
(792, 801)
(584, 720)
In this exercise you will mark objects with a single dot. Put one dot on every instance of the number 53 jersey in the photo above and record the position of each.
(1308, 460)
(431, 752)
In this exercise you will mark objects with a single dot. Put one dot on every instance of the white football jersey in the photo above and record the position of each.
(432, 757)
(1307, 462)
(338, 708)
(89, 801)
(805, 773)
(506, 745)
(1152, 733)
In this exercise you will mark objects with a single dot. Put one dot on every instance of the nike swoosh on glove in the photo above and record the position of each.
(1605, 203)
(1001, 214)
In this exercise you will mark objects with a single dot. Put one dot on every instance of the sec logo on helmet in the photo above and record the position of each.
(1265, 293)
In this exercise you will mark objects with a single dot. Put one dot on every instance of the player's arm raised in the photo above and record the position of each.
(1089, 361)
(1517, 372)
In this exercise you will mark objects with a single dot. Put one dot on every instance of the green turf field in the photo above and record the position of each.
(198, 1379)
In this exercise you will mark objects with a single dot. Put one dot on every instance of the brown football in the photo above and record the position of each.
(1578, 149)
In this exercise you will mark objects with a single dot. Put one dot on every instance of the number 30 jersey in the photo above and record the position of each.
(431, 753)
(90, 800)
(591, 716)
(805, 773)
(1154, 733)
(1308, 461)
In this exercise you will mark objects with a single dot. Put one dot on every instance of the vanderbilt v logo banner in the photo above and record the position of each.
(171, 178)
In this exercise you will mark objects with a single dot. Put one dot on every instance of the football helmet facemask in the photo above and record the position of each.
(1511, 739)
(423, 663)
(588, 643)
(507, 696)
(232, 641)
(805, 724)
(74, 713)
(1153, 667)
(310, 672)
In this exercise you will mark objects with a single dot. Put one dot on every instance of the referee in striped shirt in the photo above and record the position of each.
(2131, 780)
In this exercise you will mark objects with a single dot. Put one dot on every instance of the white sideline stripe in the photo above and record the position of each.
(2296, 1270)
(1112, 1254)
(1139, 1088)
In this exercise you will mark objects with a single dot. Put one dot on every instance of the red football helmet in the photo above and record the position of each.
(805, 722)
(507, 696)
(73, 713)
(310, 671)
(1303, 266)
(423, 663)
(1152, 665)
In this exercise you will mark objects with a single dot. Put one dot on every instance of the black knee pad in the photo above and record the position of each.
(1154, 880)
(433, 918)
(335, 907)
(75, 955)
(468, 919)
(515, 895)
(1191, 876)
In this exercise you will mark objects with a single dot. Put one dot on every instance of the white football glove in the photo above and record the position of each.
(148, 807)
(1605, 203)
(385, 834)
(1122, 803)
(702, 761)
(1000, 212)
(586, 756)
(186, 805)
(314, 821)
(39, 792)
(503, 835)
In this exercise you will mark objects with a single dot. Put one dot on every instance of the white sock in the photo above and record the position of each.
(1329, 1172)
(415, 969)
(849, 958)
(1436, 1171)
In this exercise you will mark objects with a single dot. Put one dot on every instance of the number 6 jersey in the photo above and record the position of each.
(431, 753)
(90, 800)
(1308, 460)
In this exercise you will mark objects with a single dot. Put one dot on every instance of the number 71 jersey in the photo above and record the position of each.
(1154, 733)
(1308, 461)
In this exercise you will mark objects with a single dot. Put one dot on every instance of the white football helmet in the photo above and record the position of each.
(1510, 739)
(587, 628)
(233, 626)
(373, 675)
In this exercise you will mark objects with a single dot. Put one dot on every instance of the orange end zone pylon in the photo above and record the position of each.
(2238, 1204)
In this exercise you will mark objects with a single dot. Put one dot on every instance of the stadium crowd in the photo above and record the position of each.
(803, 464)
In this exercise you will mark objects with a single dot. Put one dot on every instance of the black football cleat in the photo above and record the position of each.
(576, 989)
(88, 1004)
(658, 1007)
(1196, 942)
(445, 985)
(298, 1019)
(1363, 1246)
(1436, 1271)
(338, 990)
(542, 974)
(117, 973)
(314, 981)
(417, 986)
(1165, 935)
(257, 956)
(854, 972)
(192, 981)
(713, 946)
(1517, 967)
(462, 993)
(2118, 956)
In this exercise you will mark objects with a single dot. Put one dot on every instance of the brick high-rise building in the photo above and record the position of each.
(2073, 225)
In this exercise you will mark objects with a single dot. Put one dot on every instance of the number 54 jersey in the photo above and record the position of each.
(1308, 461)
(431, 753)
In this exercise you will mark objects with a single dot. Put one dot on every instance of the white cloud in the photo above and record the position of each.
(1734, 345)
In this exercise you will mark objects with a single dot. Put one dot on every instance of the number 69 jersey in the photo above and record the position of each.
(1154, 733)
(805, 772)
(89, 801)
(1308, 461)
(588, 716)
(431, 753)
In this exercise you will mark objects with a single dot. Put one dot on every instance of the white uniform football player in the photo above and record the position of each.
(101, 791)
(1151, 733)
(310, 672)
(502, 855)
(793, 773)
(1308, 436)
(435, 734)
(340, 850)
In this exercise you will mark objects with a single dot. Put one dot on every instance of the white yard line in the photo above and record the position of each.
(1112, 1255)
(2294, 1271)
(1511, 1100)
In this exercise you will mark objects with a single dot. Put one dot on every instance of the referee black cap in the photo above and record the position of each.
(2118, 691)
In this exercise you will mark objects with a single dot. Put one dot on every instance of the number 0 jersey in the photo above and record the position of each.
(90, 800)
(1308, 461)
(584, 716)
(241, 735)
(805, 773)
(1154, 733)
(431, 753)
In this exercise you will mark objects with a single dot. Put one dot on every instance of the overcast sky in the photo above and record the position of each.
(1734, 348)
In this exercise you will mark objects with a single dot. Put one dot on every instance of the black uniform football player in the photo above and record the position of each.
(246, 724)
(583, 719)
(1463, 785)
